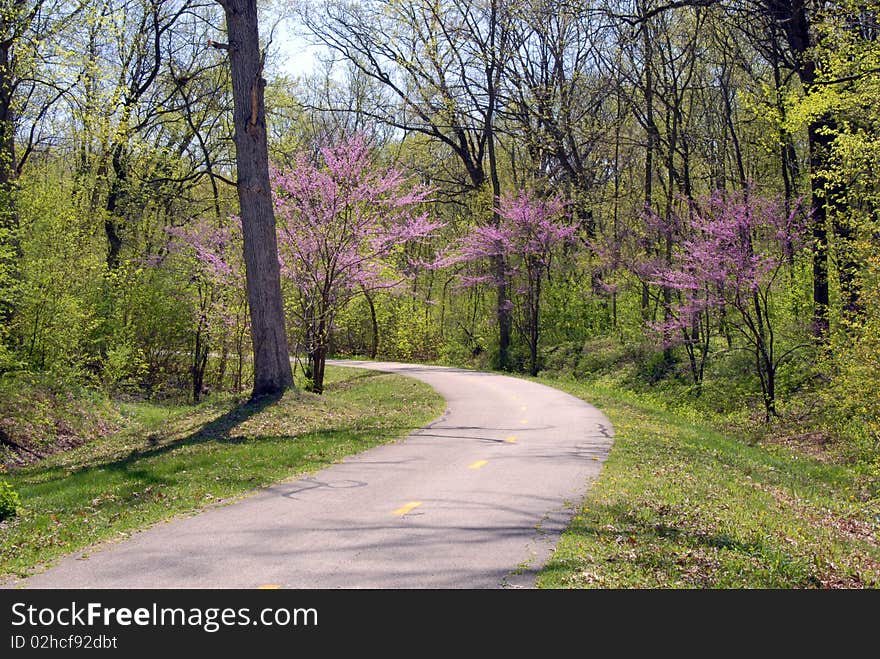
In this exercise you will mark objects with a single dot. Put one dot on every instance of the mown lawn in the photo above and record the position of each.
(681, 505)
(175, 460)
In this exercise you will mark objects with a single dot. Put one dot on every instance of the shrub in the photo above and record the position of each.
(9, 501)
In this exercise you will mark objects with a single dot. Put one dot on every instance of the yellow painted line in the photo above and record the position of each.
(524, 408)
(403, 510)
(510, 440)
(524, 421)
(269, 586)
(478, 464)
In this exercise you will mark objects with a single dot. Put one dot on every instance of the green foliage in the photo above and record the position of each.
(464, 352)
(147, 330)
(849, 62)
(406, 330)
(9, 286)
(122, 362)
(61, 287)
(852, 399)
(9, 501)
(571, 310)
(597, 358)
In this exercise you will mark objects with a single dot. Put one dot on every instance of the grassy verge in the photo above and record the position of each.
(41, 414)
(680, 505)
(174, 460)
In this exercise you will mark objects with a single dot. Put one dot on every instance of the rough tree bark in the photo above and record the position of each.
(793, 19)
(272, 372)
(10, 253)
(493, 74)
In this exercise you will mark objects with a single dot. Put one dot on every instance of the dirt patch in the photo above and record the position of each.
(819, 445)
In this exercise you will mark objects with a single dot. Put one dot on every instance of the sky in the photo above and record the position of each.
(294, 56)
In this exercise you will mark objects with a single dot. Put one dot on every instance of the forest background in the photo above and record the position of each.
(678, 199)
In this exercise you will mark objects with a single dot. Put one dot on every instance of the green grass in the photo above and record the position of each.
(175, 460)
(680, 505)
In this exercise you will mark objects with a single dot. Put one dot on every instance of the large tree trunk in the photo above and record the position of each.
(10, 247)
(505, 320)
(793, 18)
(272, 372)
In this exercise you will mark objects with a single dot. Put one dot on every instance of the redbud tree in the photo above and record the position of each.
(526, 240)
(217, 274)
(342, 227)
(730, 262)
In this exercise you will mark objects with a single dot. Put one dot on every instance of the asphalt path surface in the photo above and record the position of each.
(476, 499)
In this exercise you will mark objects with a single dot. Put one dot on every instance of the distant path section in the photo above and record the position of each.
(476, 499)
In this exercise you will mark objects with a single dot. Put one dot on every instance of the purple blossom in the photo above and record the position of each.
(217, 248)
(731, 247)
(526, 238)
(341, 227)
(518, 253)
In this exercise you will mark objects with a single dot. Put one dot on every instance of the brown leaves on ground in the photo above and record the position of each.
(861, 568)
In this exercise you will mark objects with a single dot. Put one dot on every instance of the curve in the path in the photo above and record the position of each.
(477, 499)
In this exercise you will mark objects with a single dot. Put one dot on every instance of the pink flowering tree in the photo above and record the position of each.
(527, 239)
(651, 257)
(213, 256)
(342, 229)
(730, 263)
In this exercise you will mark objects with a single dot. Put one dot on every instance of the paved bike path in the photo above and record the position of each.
(476, 499)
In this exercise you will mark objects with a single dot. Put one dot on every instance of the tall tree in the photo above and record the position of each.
(529, 237)
(733, 259)
(27, 93)
(272, 372)
(341, 227)
(792, 27)
(440, 66)
(135, 64)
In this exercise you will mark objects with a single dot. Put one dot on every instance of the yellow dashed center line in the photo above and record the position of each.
(510, 440)
(478, 464)
(524, 421)
(404, 509)
(269, 586)
(524, 408)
